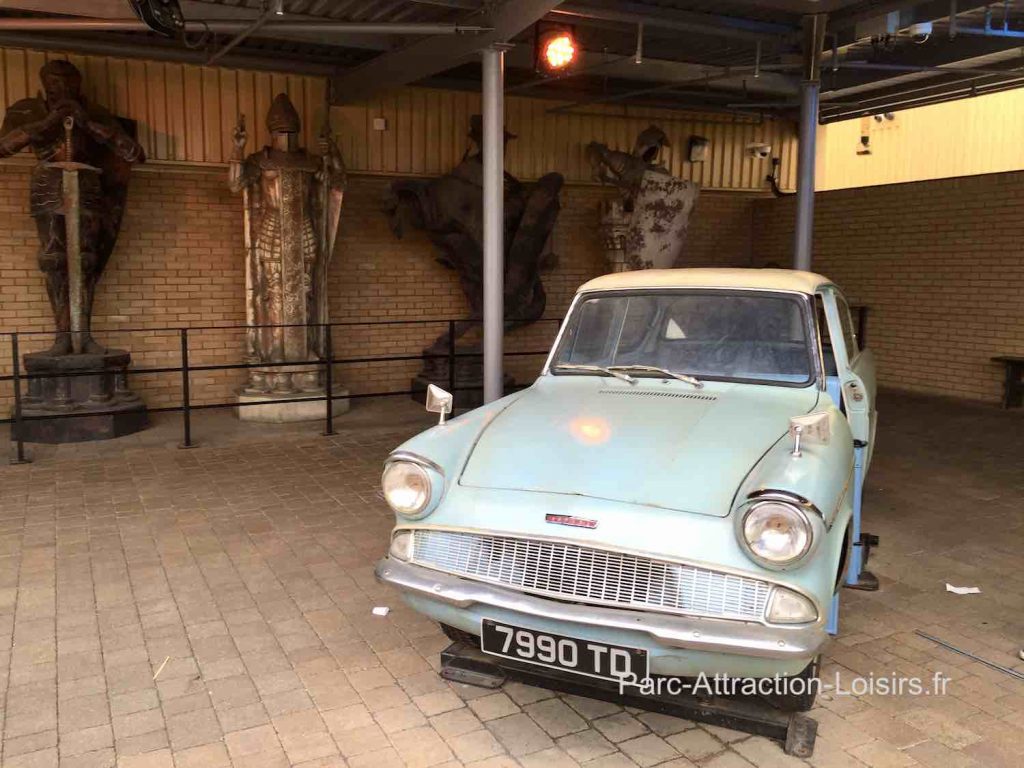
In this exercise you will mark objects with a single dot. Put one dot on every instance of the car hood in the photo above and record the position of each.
(660, 444)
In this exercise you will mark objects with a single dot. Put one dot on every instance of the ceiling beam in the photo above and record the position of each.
(160, 51)
(935, 58)
(435, 54)
(679, 20)
(601, 64)
(623, 12)
(196, 10)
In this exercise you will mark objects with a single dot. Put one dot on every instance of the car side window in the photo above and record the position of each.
(849, 337)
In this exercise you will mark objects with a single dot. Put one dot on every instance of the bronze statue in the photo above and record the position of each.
(77, 198)
(450, 209)
(92, 137)
(646, 227)
(292, 205)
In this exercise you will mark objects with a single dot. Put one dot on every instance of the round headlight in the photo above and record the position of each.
(777, 533)
(406, 487)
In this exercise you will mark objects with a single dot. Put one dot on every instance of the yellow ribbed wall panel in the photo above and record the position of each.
(959, 138)
(185, 114)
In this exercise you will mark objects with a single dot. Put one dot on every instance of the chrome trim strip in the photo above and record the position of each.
(807, 511)
(762, 494)
(696, 634)
(415, 458)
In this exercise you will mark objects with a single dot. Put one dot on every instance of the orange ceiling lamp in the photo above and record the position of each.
(556, 49)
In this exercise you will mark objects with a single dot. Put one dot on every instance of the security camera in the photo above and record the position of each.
(921, 31)
(759, 151)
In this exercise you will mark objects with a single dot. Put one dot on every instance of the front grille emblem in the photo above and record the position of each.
(575, 522)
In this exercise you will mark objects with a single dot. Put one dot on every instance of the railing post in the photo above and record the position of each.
(16, 427)
(451, 356)
(186, 397)
(329, 379)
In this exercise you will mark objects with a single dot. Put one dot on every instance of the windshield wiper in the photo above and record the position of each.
(593, 369)
(664, 372)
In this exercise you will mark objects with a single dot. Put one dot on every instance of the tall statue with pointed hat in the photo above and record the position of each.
(292, 206)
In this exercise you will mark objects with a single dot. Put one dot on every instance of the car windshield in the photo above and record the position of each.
(754, 336)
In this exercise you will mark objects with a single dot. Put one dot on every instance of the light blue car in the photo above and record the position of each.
(672, 496)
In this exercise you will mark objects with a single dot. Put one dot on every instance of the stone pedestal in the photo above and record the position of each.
(469, 372)
(99, 405)
(307, 409)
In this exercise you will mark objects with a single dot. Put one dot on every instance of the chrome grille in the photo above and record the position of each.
(584, 574)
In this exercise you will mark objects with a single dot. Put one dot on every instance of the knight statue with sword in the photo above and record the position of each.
(291, 206)
(78, 144)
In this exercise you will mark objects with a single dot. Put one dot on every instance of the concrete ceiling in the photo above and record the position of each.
(728, 55)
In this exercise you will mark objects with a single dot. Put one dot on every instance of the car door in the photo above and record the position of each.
(856, 368)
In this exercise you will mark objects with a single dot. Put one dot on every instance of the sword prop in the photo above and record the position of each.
(72, 234)
(250, 264)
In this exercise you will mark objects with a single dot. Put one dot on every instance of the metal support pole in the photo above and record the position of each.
(329, 379)
(16, 427)
(494, 218)
(804, 235)
(186, 397)
(810, 88)
(451, 356)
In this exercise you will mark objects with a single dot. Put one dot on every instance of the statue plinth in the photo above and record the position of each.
(469, 372)
(307, 408)
(97, 406)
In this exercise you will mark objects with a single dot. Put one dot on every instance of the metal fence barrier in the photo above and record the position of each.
(327, 363)
(186, 407)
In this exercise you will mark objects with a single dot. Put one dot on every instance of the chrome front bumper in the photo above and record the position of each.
(685, 632)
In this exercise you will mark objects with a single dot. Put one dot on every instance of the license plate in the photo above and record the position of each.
(583, 657)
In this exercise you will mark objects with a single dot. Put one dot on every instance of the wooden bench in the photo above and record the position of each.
(1013, 394)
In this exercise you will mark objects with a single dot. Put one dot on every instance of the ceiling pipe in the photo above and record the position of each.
(158, 52)
(885, 67)
(630, 13)
(240, 26)
(240, 37)
(725, 74)
(700, 24)
(861, 109)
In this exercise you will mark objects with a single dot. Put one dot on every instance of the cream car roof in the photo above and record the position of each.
(758, 279)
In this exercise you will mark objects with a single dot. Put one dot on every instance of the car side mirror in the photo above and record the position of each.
(812, 428)
(439, 401)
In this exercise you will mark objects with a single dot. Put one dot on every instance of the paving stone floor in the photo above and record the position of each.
(212, 607)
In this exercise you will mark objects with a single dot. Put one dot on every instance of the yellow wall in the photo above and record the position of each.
(185, 113)
(984, 134)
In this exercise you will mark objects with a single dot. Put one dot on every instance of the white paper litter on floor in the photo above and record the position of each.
(381, 610)
(963, 590)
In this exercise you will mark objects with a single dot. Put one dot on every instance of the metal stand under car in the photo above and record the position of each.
(464, 663)
(857, 576)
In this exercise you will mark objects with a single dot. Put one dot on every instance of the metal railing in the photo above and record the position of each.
(18, 418)
(327, 363)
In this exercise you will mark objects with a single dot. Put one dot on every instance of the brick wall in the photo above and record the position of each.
(937, 262)
(178, 263)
